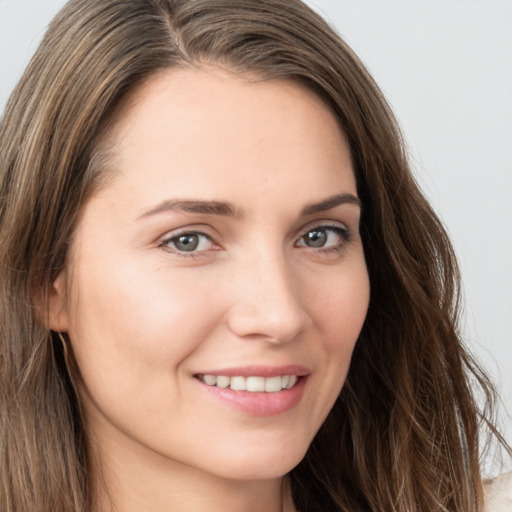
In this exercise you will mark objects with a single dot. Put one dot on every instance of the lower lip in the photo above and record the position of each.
(260, 404)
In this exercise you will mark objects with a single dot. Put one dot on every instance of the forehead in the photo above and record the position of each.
(197, 128)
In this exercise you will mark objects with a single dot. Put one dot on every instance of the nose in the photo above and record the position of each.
(266, 301)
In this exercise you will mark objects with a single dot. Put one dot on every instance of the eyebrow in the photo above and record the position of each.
(223, 208)
(331, 202)
(195, 206)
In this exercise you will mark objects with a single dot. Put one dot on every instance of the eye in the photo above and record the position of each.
(188, 242)
(324, 237)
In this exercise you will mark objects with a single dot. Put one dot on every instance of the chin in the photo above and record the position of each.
(259, 463)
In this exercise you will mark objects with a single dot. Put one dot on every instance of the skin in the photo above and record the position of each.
(144, 317)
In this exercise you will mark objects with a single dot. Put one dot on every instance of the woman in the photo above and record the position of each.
(221, 287)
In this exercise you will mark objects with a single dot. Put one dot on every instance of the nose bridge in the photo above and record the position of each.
(267, 302)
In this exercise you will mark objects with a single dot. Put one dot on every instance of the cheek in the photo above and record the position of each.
(341, 304)
(127, 319)
(339, 309)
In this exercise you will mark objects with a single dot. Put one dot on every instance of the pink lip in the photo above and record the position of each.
(261, 371)
(260, 404)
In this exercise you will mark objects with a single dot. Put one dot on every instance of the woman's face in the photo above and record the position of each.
(223, 254)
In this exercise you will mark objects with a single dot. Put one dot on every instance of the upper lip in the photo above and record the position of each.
(260, 371)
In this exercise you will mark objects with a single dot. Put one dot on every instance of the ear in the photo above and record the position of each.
(58, 318)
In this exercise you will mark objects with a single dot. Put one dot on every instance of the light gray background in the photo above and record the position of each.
(446, 68)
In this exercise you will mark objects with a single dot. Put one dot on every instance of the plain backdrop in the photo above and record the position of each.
(446, 69)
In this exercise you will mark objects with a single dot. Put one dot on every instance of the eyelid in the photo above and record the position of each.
(325, 224)
(165, 240)
(340, 228)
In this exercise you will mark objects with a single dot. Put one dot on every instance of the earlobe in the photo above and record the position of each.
(58, 319)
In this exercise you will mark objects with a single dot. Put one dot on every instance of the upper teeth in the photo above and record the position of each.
(254, 384)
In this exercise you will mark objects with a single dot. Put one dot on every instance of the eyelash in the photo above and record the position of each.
(165, 244)
(339, 230)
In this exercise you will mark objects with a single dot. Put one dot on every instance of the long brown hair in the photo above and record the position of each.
(403, 434)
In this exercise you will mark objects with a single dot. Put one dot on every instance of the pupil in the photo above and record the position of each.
(187, 242)
(316, 238)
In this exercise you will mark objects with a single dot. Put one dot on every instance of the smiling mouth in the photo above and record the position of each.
(254, 384)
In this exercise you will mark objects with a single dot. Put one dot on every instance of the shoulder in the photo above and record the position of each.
(498, 494)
